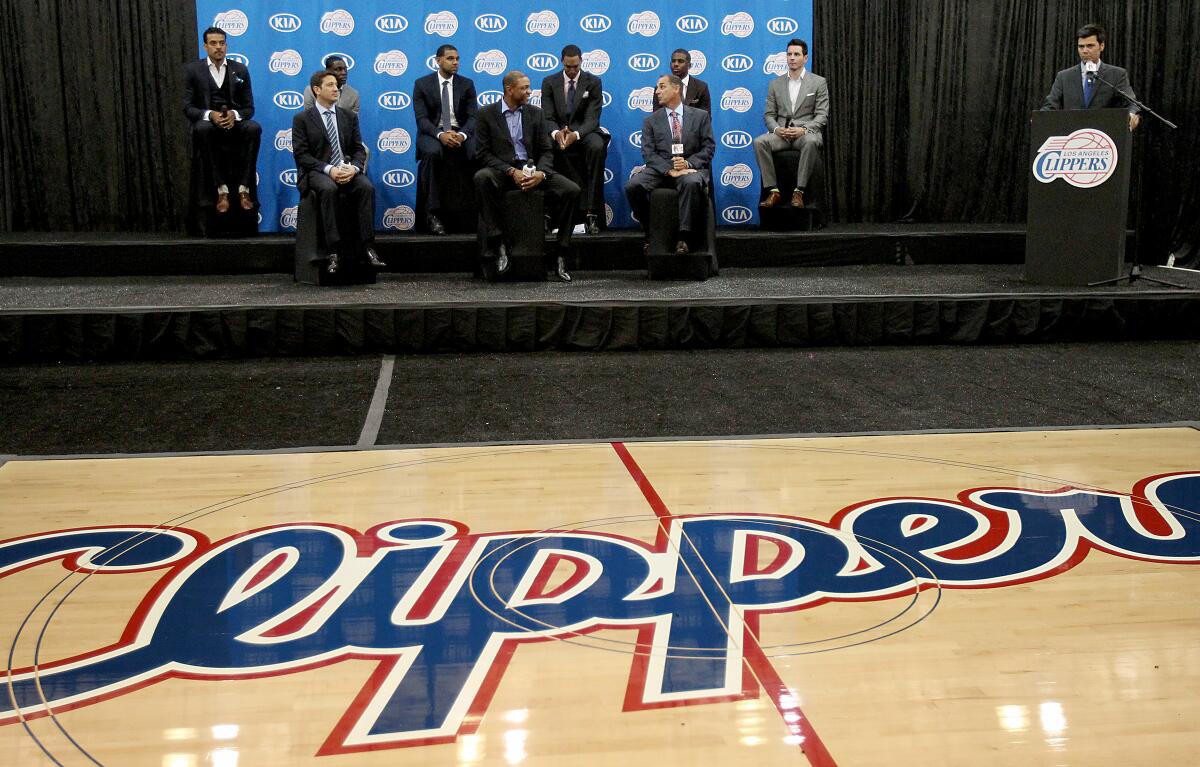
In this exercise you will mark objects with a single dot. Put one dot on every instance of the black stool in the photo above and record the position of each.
(661, 261)
(784, 217)
(202, 217)
(458, 213)
(524, 236)
(311, 250)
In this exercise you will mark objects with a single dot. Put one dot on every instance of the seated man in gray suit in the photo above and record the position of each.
(677, 147)
(797, 111)
(1084, 86)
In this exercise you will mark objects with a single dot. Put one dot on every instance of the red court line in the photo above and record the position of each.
(811, 744)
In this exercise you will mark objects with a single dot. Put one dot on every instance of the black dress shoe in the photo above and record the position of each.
(435, 226)
(560, 270)
(332, 266)
(374, 260)
(592, 226)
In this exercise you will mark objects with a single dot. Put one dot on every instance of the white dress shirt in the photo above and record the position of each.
(218, 75)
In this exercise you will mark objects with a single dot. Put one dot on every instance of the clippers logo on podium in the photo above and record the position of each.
(1085, 159)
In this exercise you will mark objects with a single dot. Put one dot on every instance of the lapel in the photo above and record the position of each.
(317, 129)
(1074, 86)
(805, 89)
(528, 134)
(502, 124)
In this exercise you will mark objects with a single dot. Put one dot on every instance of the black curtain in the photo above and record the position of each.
(92, 135)
(931, 101)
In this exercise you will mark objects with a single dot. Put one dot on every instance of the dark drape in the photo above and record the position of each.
(92, 135)
(931, 100)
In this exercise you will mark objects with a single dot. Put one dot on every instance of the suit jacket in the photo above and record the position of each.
(811, 110)
(1067, 90)
(349, 100)
(697, 95)
(427, 104)
(311, 147)
(196, 89)
(698, 143)
(494, 147)
(589, 97)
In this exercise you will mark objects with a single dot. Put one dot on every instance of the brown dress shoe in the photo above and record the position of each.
(245, 201)
(222, 202)
(681, 248)
(797, 199)
(773, 199)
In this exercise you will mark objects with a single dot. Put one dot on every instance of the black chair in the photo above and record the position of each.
(784, 217)
(311, 250)
(202, 217)
(661, 261)
(524, 237)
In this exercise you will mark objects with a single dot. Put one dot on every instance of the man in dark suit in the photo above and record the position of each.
(572, 100)
(695, 90)
(219, 102)
(444, 105)
(330, 155)
(514, 149)
(677, 147)
(1092, 84)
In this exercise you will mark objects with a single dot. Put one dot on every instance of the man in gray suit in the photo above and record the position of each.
(348, 99)
(1084, 86)
(797, 112)
(677, 147)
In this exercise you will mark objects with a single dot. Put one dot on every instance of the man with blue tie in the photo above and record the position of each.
(329, 153)
(1092, 84)
(677, 147)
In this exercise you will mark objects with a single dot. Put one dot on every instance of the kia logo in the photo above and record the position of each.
(288, 177)
(635, 138)
(394, 100)
(391, 23)
(782, 26)
(488, 97)
(542, 62)
(399, 178)
(595, 22)
(289, 100)
(284, 22)
(736, 62)
(490, 22)
(691, 24)
(239, 58)
(736, 214)
(643, 62)
(736, 139)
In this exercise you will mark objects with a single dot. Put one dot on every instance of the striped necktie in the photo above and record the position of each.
(335, 156)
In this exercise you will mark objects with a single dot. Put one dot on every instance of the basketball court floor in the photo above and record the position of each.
(1007, 598)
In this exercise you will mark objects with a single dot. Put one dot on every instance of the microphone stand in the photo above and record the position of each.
(1135, 269)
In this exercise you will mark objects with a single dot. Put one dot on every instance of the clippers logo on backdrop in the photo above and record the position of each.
(738, 176)
(782, 26)
(284, 22)
(287, 62)
(400, 217)
(596, 62)
(289, 100)
(542, 62)
(642, 99)
(393, 63)
(339, 22)
(608, 214)
(643, 62)
(488, 97)
(645, 23)
(740, 24)
(394, 100)
(595, 22)
(1085, 159)
(234, 22)
(737, 214)
(692, 24)
(287, 217)
(544, 23)
(442, 24)
(283, 140)
(391, 23)
(491, 62)
(491, 22)
(457, 604)
(395, 140)
(346, 57)
(535, 99)
(737, 62)
(288, 177)
(737, 100)
(776, 64)
(399, 178)
(736, 139)
(699, 63)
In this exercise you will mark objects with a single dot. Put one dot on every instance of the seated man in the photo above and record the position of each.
(695, 91)
(348, 97)
(677, 147)
(329, 153)
(219, 102)
(444, 106)
(572, 103)
(513, 138)
(797, 111)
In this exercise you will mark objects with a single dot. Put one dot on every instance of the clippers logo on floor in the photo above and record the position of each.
(441, 608)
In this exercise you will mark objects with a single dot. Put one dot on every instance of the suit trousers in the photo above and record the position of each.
(561, 192)
(765, 146)
(231, 154)
(432, 167)
(693, 197)
(358, 191)
(592, 150)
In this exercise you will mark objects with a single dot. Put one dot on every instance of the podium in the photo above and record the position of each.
(1078, 196)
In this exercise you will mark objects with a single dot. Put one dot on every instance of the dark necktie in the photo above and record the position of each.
(676, 132)
(335, 156)
(1089, 87)
(571, 98)
(446, 110)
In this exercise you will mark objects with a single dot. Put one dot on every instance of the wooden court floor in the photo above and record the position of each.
(1016, 598)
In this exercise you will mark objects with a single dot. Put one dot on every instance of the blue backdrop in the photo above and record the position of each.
(736, 48)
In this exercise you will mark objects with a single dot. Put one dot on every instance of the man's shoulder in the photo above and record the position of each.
(693, 80)
(460, 80)
(816, 78)
(1072, 70)
(302, 116)
(1112, 68)
(425, 79)
(349, 90)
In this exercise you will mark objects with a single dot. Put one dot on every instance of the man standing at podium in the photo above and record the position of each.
(1092, 84)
